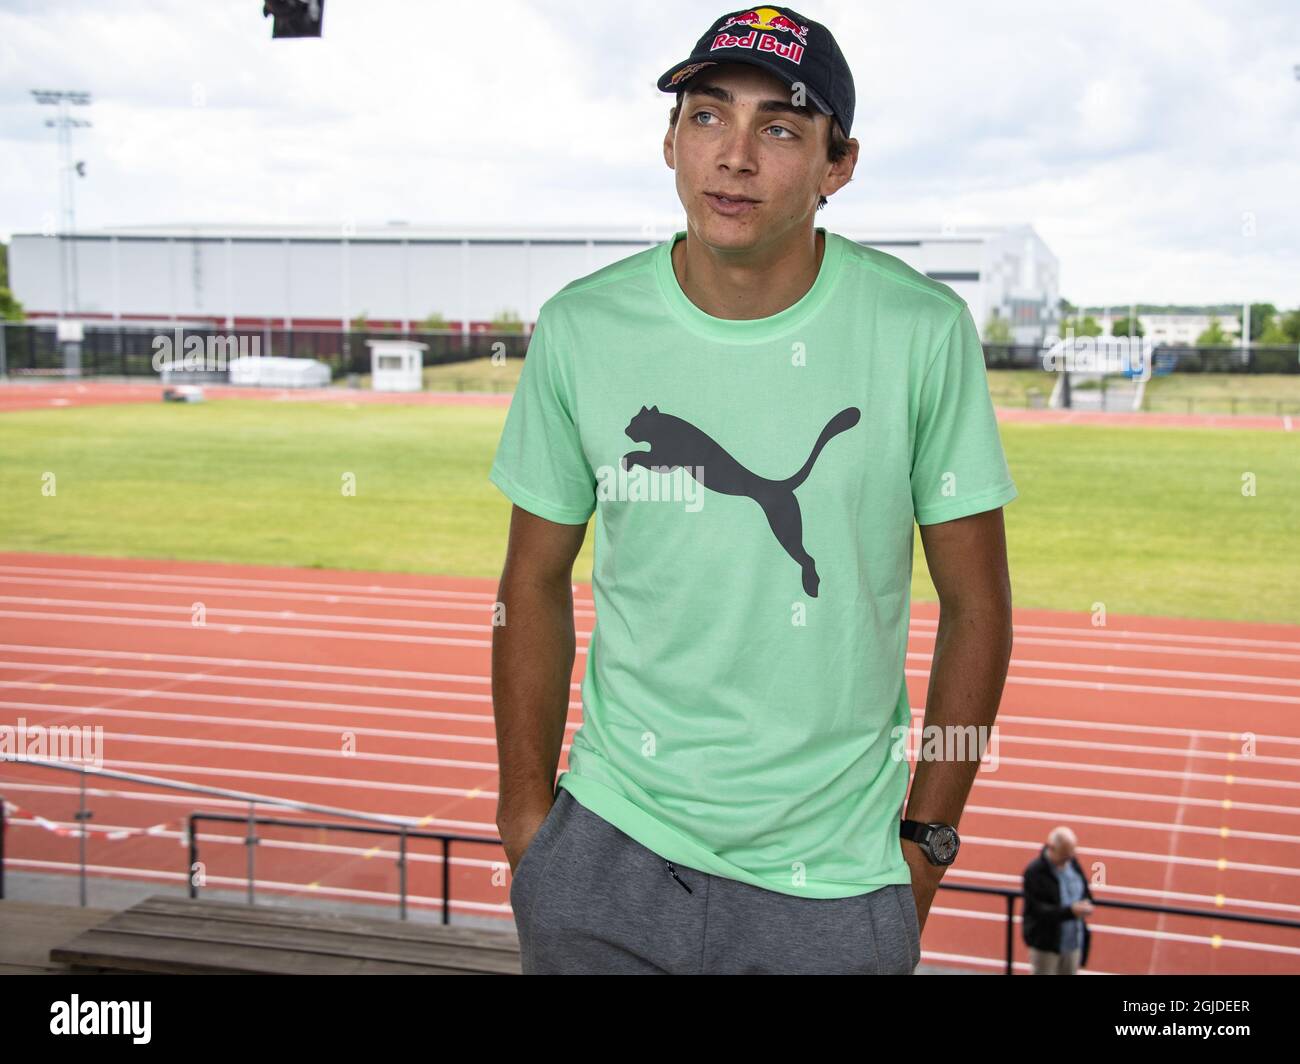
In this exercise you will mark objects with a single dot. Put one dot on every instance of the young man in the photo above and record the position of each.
(756, 411)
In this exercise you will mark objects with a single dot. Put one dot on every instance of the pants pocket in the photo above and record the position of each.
(534, 853)
(911, 922)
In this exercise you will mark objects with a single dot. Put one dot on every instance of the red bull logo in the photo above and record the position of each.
(768, 18)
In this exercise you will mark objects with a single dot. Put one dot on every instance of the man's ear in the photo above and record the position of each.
(668, 146)
(841, 172)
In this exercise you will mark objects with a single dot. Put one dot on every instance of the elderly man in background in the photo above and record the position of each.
(1057, 899)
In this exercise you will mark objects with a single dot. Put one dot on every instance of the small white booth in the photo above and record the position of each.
(396, 365)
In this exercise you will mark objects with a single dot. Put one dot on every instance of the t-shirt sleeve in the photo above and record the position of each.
(958, 465)
(539, 464)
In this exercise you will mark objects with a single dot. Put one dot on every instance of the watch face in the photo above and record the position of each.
(944, 843)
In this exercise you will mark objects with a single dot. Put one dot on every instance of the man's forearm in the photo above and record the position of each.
(532, 669)
(971, 654)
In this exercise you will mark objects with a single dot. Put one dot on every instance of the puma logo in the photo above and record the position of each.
(675, 442)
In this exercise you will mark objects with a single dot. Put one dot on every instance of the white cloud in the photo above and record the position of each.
(1134, 136)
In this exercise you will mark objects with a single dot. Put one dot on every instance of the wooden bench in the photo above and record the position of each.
(186, 936)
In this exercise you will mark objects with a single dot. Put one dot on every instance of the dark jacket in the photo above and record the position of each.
(1043, 909)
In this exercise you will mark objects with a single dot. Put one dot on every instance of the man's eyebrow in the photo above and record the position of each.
(764, 107)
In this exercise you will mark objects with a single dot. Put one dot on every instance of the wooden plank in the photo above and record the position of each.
(321, 943)
(105, 950)
(169, 934)
(240, 912)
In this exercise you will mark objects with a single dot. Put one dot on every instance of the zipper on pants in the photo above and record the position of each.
(673, 872)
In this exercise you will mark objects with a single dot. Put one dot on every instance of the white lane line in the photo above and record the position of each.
(49, 669)
(429, 603)
(1180, 811)
(195, 580)
(274, 724)
(1135, 670)
(251, 629)
(224, 611)
(270, 664)
(359, 709)
(1126, 727)
(1088, 793)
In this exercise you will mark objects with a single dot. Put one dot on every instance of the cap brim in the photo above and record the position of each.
(671, 80)
(677, 75)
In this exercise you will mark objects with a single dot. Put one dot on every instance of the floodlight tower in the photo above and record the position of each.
(65, 124)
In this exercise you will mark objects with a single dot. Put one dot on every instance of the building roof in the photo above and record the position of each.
(397, 231)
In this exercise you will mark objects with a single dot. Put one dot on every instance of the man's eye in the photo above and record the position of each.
(699, 114)
(783, 129)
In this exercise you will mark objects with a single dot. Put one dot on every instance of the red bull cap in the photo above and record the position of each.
(794, 48)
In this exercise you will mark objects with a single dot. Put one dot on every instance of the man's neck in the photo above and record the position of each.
(754, 286)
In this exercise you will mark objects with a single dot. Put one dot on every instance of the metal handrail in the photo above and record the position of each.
(393, 825)
(1164, 910)
(404, 833)
(408, 827)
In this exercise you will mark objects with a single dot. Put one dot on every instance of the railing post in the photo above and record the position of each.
(446, 880)
(3, 825)
(1011, 938)
(194, 857)
(401, 873)
(251, 841)
(82, 816)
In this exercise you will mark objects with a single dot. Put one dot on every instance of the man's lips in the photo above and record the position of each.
(727, 207)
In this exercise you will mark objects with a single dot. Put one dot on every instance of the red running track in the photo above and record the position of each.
(1171, 747)
(40, 395)
(28, 395)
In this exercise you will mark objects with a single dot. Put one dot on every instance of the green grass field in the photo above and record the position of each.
(1224, 393)
(1145, 520)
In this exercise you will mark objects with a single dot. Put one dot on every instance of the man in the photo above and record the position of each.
(1056, 900)
(756, 411)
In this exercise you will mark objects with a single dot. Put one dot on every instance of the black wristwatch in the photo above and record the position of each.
(939, 842)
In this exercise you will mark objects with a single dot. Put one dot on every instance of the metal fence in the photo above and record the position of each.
(28, 348)
(127, 350)
(1178, 359)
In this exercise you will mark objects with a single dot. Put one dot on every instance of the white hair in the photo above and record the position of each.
(1061, 835)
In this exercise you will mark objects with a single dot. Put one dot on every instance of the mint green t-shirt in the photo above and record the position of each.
(755, 485)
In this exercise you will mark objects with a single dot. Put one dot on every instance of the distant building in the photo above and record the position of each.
(398, 275)
(1183, 329)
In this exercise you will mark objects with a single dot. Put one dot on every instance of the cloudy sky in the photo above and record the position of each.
(1154, 145)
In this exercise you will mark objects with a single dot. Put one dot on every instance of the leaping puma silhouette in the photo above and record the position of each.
(676, 442)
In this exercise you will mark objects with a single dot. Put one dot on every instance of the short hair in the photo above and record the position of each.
(837, 147)
(1060, 835)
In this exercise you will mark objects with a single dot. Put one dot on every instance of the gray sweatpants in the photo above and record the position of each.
(590, 899)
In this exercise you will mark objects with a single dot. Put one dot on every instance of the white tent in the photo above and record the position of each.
(278, 371)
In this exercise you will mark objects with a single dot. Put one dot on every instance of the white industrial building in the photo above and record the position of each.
(1182, 330)
(302, 276)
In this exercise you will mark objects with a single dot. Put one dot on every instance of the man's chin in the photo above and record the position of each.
(719, 232)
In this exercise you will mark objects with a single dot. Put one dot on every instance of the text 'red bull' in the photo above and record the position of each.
(763, 42)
